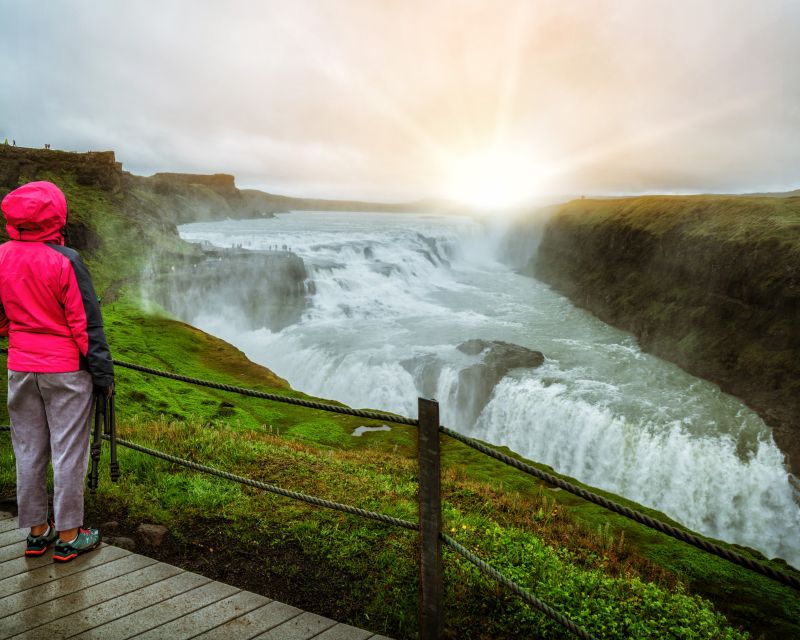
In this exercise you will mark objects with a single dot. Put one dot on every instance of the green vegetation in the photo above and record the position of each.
(616, 578)
(738, 219)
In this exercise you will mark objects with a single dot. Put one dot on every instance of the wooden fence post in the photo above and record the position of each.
(430, 522)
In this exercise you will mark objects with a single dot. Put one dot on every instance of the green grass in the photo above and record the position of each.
(736, 219)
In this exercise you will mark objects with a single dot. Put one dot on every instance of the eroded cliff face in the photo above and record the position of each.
(188, 197)
(163, 200)
(94, 168)
(710, 283)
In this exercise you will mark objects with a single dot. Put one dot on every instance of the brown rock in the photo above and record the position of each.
(477, 382)
(152, 534)
(109, 527)
(122, 542)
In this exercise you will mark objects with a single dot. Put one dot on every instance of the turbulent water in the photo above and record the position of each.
(392, 296)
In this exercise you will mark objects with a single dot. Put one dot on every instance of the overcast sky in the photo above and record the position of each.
(385, 98)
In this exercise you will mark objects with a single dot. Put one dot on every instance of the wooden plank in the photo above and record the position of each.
(208, 617)
(72, 583)
(131, 602)
(8, 524)
(12, 551)
(28, 620)
(303, 627)
(22, 564)
(112, 593)
(47, 571)
(343, 632)
(251, 624)
(11, 537)
(160, 613)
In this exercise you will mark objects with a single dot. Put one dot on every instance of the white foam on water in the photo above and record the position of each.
(700, 481)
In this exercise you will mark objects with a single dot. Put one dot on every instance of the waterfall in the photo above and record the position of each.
(390, 297)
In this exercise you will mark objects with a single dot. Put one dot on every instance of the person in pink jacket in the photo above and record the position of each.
(58, 354)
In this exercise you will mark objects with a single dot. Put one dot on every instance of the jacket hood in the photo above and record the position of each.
(36, 212)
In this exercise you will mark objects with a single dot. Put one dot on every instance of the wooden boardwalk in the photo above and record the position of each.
(112, 593)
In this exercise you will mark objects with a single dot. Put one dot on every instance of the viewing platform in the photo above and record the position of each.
(113, 593)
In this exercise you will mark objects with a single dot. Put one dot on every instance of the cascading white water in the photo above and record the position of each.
(393, 297)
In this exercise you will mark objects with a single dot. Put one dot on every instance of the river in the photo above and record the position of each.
(393, 295)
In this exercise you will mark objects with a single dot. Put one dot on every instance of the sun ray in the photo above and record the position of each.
(509, 79)
(340, 69)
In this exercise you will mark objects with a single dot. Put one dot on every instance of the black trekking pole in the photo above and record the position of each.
(97, 439)
(111, 432)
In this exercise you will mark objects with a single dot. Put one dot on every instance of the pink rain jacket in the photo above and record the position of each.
(49, 309)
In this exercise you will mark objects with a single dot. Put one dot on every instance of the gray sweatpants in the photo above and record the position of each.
(49, 418)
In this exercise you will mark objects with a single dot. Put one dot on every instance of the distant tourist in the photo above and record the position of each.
(13, 143)
(58, 355)
(47, 146)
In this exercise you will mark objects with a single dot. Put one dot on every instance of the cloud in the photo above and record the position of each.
(359, 97)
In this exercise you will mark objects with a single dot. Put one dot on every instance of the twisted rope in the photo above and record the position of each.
(319, 502)
(380, 517)
(637, 516)
(370, 415)
(294, 495)
(523, 593)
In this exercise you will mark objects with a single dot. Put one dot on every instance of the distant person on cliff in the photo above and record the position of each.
(57, 355)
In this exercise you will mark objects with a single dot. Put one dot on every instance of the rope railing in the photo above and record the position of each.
(311, 404)
(627, 512)
(372, 515)
(632, 514)
(294, 495)
(357, 511)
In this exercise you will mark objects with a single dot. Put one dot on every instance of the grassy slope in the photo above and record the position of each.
(726, 218)
(618, 579)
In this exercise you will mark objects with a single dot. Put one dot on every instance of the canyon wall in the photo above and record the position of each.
(711, 283)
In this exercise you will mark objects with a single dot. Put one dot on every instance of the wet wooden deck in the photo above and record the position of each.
(113, 593)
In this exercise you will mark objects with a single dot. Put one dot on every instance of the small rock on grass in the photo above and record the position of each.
(122, 542)
(152, 534)
(110, 526)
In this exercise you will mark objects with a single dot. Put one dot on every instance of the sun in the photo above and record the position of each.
(492, 179)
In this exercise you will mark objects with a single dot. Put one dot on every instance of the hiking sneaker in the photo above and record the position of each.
(87, 540)
(37, 545)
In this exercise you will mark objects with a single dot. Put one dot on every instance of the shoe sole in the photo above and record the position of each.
(75, 554)
(35, 553)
